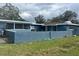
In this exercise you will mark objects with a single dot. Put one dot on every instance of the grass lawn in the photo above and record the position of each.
(64, 46)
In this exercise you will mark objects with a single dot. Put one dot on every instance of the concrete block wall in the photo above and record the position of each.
(26, 36)
(11, 36)
(60, 34)
(30, 36)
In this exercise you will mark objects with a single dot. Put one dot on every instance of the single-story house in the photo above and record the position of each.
(22, 31)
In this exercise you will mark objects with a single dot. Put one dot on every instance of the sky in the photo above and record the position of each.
(49, 10)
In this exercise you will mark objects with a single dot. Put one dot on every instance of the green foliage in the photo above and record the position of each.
(68, 46)
(66, 16)
(69, 15)
(75, 21)
(40, 19)
(9, 12)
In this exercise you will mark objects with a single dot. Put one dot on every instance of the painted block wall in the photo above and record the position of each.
(76, 31)
(11, 36)
(24, 36)
(30, 36)
(60, 34)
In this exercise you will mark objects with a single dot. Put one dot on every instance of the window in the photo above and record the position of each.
(26, 26)
(9, 26)
(18, 26)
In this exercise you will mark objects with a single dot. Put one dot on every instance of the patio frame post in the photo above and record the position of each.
(13, 25)
(22, 26)
(45, 28)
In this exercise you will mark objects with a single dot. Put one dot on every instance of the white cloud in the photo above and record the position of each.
(56, 6)
(48, 10)
(25, 14)
(44, 12)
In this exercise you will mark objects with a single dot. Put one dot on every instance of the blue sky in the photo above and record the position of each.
(29, 10)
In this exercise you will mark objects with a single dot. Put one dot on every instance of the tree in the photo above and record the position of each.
(66, 16)
(10, 12)
(40, 19)
(69, 15)
(75, 21)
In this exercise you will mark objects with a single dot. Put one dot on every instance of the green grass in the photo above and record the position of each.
(64, 47)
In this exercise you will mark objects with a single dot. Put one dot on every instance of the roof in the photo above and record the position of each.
(13, 21)
(36, 24)
(68, 23)
(32, 23)
(22, 22)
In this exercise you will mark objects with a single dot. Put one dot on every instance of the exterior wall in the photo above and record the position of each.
(26, 36)
(2, 27)
(11, 36)
(76, 31)
(60, 34)
(30, 36)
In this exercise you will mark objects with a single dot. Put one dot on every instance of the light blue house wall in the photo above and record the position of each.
(2, 27)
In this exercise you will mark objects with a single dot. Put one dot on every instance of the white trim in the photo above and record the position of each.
(32, 23)
(13, 21)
